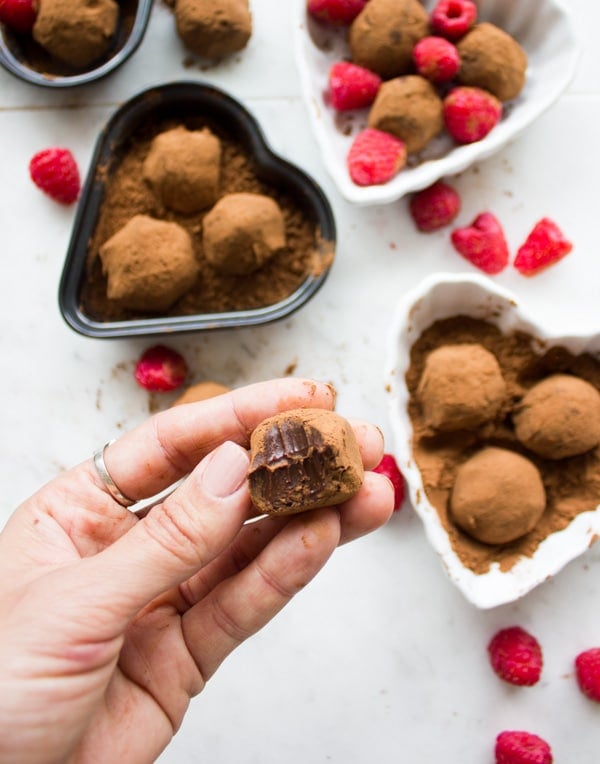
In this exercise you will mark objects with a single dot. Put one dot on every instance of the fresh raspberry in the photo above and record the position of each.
(470, 113)
(19, 15)
(587, 668)
(544, 246)
(55, 172)
(352, 86)
(161, 369)
(388, 467)
(338, 12)
(375, 157)
(516, 656)
(436, 59)
(516, 747)
(434, 207)
(482, 243)
(453, 18)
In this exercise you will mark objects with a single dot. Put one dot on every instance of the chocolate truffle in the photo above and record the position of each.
(559, 417)
(213, 28)
(242, 232)
(301, 460)
(77, 32)
(493, 60)
(498, 496)
(384, 33)
(149, 264)
(201, 391)
(461, 387)
(409, 108)
(183, 169)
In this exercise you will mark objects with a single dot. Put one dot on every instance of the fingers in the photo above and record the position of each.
(368, 509)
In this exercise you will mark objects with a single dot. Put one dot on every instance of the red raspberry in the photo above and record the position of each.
(434, 207)
(55, 172)
(515, 747)
(482, 243)
(375, 157)
(161, 369)
(516, 656)
(352, 86)
(342, 12)
(453, 18)
(19, 15)
(470, 113)
(587, 667)
(544, 246)
(388, 467)
(436, 59)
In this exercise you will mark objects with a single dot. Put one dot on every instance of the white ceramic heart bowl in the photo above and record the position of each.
(542, 27)
(443, 296)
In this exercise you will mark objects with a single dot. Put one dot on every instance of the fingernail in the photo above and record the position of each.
(225, 470)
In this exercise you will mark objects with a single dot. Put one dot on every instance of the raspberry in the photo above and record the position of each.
(587, 668)
(482, 243)
(388, 467)
(436, 59)
(515, 747)
(470, 113)
(19, 15)
(375, 157)
(544, 246)
(352, 86)
(55, 172)
(342, 12)
(161, 369)
(434, 207)
(516, 656)
(453, 18)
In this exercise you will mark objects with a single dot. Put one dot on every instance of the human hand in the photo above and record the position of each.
(110, 624)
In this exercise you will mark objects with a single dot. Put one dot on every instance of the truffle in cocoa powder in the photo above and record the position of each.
(213, 28)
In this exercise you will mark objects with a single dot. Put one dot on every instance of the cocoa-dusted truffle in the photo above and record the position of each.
(213, 28)
(301, 460)
(493, 60)
(201, 391)
(183, 168)
(409, 108)
(149, 264)
(461, 387)
(498, 496)
(76, 32)
(559, 417)
(384, 33)
(242, 232)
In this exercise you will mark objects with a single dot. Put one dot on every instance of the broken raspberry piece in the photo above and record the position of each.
(389, 467)
(470, 113)
(587, 670)
(518, 747)
(18, 15)
(482, 243)
(352, 86)
(516, 656)
(434, 207)
(161, 369)
(545, 245)
(375, 157)
(436, 59)
(55, 172)
(342, 12)
(453, 18)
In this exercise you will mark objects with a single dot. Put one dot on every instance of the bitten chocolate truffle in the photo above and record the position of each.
(303, 459)
(201, 391)
(213, 28)
(559, 417)
(183, 169)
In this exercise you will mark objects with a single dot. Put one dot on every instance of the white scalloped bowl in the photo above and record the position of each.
(442, 296)
(544, 29)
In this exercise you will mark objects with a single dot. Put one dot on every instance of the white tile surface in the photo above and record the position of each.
(380, 659)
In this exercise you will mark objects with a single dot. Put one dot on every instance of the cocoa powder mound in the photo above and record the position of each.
(572, 485)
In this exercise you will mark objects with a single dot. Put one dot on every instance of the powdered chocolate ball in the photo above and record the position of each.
(242, 232)
(213, 28)
(183, 168)
(409, 108)
(384, 33)
(559, 417)
(498, 496)
(303, 459)
(493, 60)
(461, 387)
(149, 264)
(201, 391)
(77, 32)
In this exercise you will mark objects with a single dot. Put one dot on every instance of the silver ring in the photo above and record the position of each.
(110, 484)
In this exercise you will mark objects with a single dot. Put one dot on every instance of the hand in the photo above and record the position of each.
(109, 623)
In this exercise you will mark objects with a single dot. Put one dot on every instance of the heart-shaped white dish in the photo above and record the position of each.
(443, 296)
(542, 27)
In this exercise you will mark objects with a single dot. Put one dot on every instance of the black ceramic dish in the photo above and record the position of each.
(28, 61)
(182, 101)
